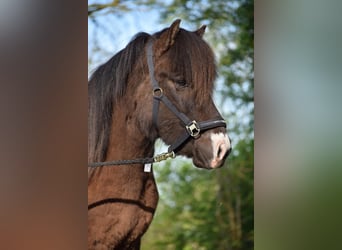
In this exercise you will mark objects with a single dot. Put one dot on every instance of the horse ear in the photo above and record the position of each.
(200, 31)
(167, 38)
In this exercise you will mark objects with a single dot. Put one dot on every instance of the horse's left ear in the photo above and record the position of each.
(201, 30)
(167, 38)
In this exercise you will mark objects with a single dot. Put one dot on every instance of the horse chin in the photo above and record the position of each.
(200, 164)
(206, 164)
(202, 157)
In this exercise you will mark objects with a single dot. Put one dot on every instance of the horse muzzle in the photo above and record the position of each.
(211, 150)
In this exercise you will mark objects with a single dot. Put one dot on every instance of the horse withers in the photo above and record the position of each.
(159, 86)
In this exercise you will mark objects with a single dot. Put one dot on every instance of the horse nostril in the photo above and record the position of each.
(219, 152)
(221, 148)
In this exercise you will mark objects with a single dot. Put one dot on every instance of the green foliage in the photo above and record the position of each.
(203, 209)
(236, 196)
(186, 205)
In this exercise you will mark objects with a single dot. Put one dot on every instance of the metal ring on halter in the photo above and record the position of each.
(157, 92)
(193, 129)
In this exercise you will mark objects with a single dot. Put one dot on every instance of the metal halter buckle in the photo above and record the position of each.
(193, 129)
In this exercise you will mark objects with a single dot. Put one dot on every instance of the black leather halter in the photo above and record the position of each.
(193, 129)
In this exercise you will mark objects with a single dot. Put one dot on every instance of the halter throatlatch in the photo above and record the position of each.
(193, 129)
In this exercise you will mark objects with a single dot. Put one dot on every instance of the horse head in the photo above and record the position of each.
(182, 71)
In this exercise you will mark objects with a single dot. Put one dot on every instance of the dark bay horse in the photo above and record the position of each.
(159, 86)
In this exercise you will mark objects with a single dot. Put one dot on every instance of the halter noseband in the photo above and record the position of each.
(192, 128)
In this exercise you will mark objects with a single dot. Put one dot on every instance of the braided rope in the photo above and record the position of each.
(121, 162)
(157, 158)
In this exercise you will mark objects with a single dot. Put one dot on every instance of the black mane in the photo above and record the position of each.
(107, 84)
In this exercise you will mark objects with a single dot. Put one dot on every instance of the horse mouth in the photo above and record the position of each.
(209, 164)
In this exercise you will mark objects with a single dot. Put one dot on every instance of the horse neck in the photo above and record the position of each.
(126, 141)
(122, 198)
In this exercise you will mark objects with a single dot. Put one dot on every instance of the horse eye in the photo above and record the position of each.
(181, 83)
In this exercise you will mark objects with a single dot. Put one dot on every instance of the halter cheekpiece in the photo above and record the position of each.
(193, 129)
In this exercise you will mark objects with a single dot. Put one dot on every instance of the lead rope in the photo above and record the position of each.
(150, 160)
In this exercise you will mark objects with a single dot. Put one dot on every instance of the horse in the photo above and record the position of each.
(158, 86)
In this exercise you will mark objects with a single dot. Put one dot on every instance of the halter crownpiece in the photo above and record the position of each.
(193, 129)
